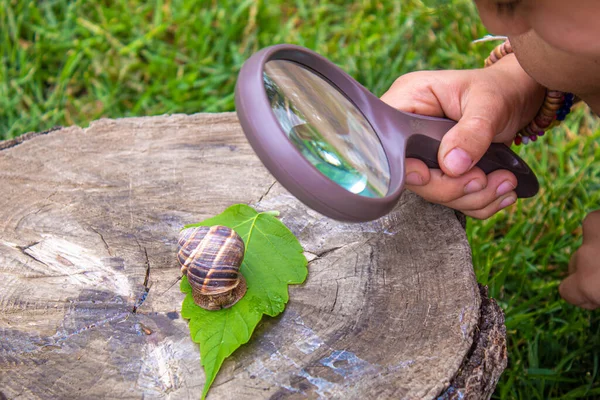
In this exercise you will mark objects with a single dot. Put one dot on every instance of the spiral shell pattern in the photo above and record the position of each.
(211, 258)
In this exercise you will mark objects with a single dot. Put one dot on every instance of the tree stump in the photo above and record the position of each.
(390, 309)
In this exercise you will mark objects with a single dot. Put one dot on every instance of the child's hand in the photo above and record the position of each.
(582, 287)
(490, 105)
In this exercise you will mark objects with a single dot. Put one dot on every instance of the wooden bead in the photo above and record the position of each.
(497, 53)
(535, 127)
(543, 121)
(554, 93)
(553, 100)
(550, 107)
(550, 104)
(502, 51)
(530, 131)
(547, 113)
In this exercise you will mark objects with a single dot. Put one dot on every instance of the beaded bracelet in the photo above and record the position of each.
(555, 108)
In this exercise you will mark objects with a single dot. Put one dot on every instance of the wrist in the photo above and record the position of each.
(527, 94)
(554, 108)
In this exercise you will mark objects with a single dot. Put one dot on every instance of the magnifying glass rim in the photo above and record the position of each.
(286, 163)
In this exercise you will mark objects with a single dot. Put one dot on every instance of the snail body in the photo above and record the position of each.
(211, 257)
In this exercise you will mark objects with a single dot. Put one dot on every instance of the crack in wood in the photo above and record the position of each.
(224, 382)
(267, 192)
(7, 144)
(325, 252)
(85, 329)
(24, 249)
(337, 289)
(103, 241)
(426, 316)
(85, 273)
(322, 254)
(51, 195)
(144, 295)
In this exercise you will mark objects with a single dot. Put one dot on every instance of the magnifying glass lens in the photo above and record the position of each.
(327, 129)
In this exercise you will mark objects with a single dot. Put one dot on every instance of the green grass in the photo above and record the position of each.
(69, 62)
(522, 255)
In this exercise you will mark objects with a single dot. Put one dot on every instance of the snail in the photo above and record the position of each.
(210, 257)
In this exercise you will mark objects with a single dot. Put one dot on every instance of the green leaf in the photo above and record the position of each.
(273, 260)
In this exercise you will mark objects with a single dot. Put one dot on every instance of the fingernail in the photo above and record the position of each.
(505, 187)
(507, 201)
(473, 186)
(414, 178)
(458, 161)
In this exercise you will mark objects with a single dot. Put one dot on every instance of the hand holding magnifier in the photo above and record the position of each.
(333, 144)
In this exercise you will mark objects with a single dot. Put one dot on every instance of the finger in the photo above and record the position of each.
(442, 188)
(591, 228)
(464, 145)
(573, 264)
(426, 94)
(588, 306)
(417, 173)
(497, 205)
(583, 286)
(414, 93)
(570, 290)
(499, 183)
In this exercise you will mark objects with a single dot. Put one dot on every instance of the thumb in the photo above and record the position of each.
(464, 145)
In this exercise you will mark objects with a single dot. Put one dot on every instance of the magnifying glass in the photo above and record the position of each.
(334, 145)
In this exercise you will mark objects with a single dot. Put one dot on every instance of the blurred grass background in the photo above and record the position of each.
(65, 62)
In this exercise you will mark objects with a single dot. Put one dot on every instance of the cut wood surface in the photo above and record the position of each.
(389, 310)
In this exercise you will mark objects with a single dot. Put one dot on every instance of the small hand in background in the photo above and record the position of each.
(582, 286)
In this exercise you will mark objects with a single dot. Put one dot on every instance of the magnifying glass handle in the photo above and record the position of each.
(424, 143)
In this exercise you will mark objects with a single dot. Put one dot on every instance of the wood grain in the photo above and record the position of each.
(389, 309)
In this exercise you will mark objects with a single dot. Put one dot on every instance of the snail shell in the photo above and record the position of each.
(210, 257)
